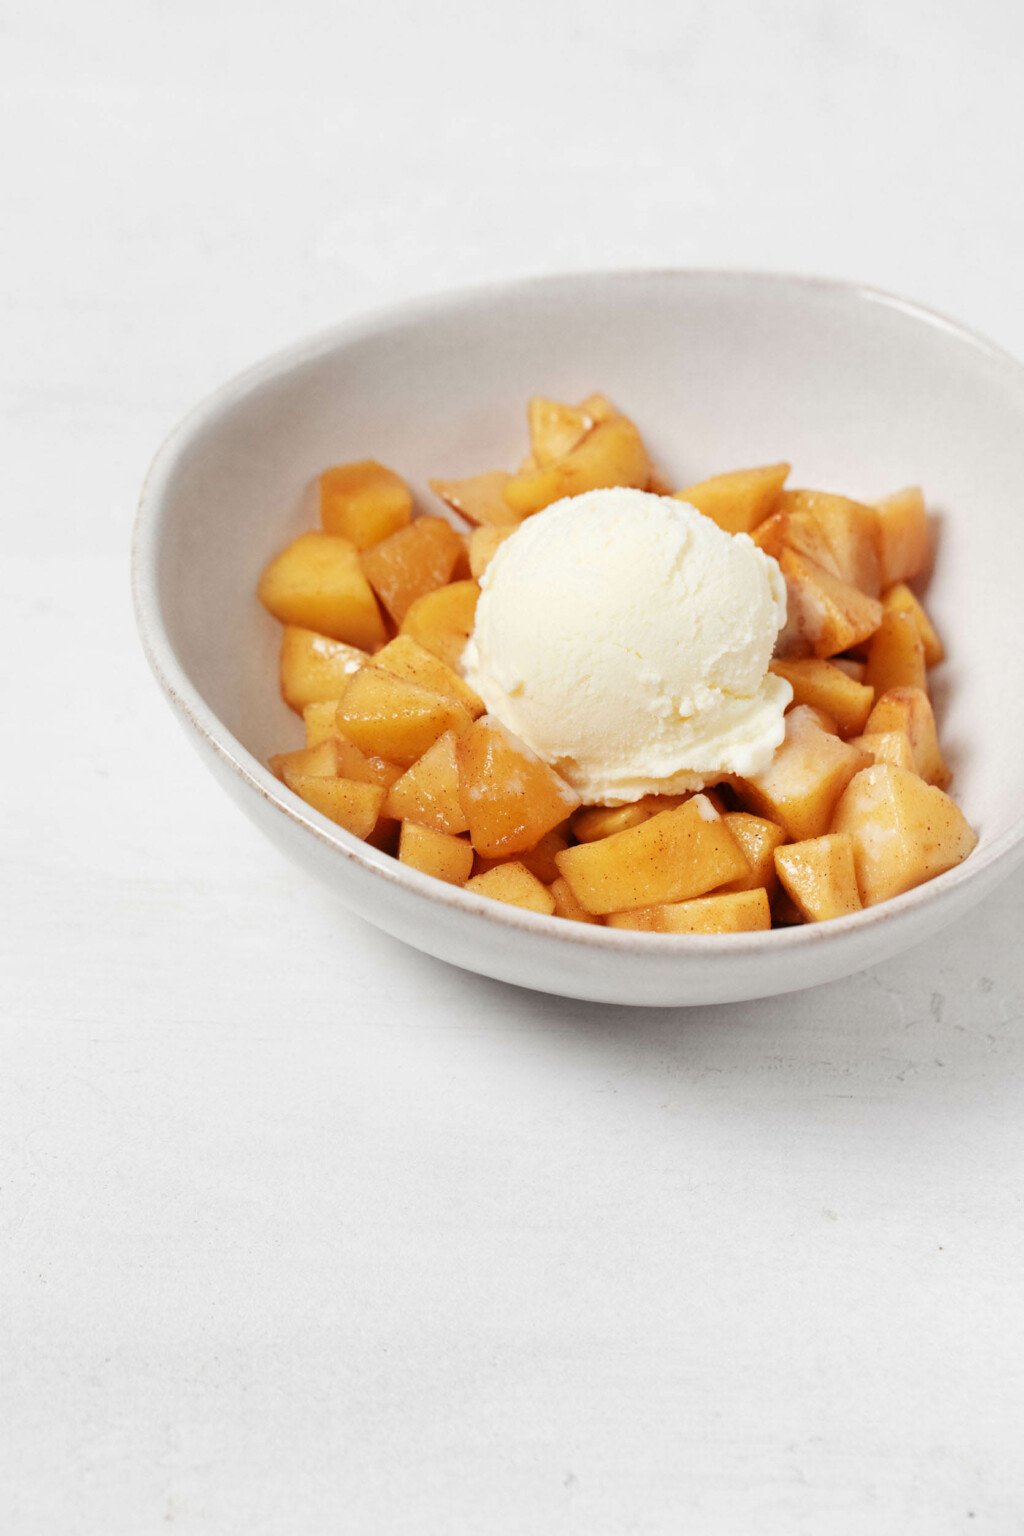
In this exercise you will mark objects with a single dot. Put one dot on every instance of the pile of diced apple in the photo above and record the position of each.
(378, 604)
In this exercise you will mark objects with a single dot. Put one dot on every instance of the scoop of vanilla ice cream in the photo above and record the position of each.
(626, 639)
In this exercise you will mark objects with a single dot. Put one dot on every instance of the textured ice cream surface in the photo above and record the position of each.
(626, 639)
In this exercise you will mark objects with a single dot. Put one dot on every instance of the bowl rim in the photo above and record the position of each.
(187, 701)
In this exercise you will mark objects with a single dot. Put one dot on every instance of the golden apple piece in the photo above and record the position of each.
(317, 583)
(351, 804)
(314, 667)
(905, 545)
(731, 912)
(851, 530)
(483, 545)
(900, 599)
(820, 876)
(510, 797)
(887, 747)
(826, 614)
(896, 654)
(566, 904)
(555, 430)
(827, 687)
(416, 560)
(740, 500)
(479, 499)
(393, 718)
(797, 531)
(321, 721)
(758, 838)
(595, 821)
(804, 780)
(671, 857)
(909, 710)
(442, 621)
(611, 454)
(904, 831)
(329, 758)
(406, 657)
(428, 792)
(435, 853)
(364, 502)
(599, 408)
(539, 860)
(513, 884)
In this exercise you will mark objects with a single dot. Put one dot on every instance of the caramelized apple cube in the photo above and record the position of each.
(352, 805)
(539, 860)
(740, 500)
(905, 546)
(405, 657)
(435, 853)
(826, 614)
(797, 531)
(901, 600)
(595, 821)
(480, 499)
(566, 904)
(390, 717)
(671, 857)
(904, 831)
(413, 561)
(599, 408)
(513, 884)
(555, 430)
(442, 621)
(758, 839)
(612, 453)
(887, 747)
(804, 780)
(321, 721)
(909, 710)
(511, 798)
(483, 544)
(316, 759)
(428, 792)
(820, 876)
(315, 667)
(827, 687)
(851, 530)
(364, 502)
(318, 583)
(729, 912)
(896, 654)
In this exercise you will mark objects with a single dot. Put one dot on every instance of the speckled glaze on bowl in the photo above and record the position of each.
(862, 391)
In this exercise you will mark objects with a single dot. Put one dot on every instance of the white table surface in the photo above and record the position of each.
(300, 1231)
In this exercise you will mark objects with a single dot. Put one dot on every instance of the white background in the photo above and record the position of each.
(300, 1231)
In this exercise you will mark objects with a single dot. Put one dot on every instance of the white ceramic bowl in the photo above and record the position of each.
(862, 391)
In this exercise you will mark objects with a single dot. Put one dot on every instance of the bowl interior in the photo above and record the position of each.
(862, 393)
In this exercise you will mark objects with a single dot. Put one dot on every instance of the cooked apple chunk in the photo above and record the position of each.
(909, 710)
(314, 667)
(887, 747)
(428, 792)
(850, 529)
(566, 904)
(672, 857)
(740, 500)
(435, 853)
(413, 561)
(820, 876)
(479, 499)
(904, 831)
(612, 453)
(826, 614)
(442, 621)
(900, 599)
(730, 912)
(595, 821)
(905, 542)
(394, 718)
(896, 653)
(555, 429)
(317, 583)
(483, 545)
(405, 657)
(364, 502)
(513, 884)
(799, 788)
(758, 839)
(352, 805)
(826, 686)
(321, 721)
(510, 797)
